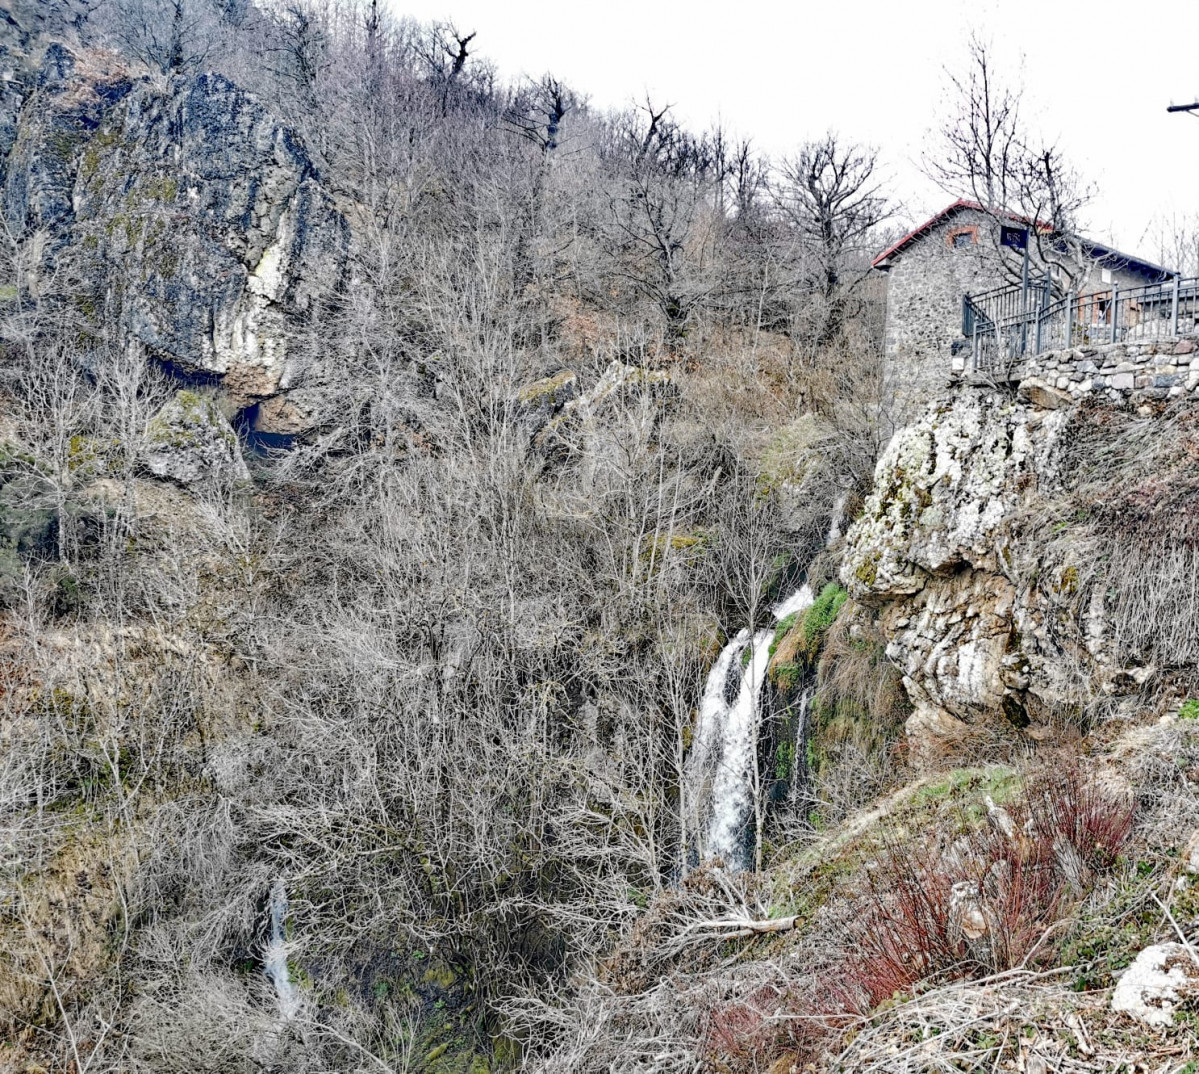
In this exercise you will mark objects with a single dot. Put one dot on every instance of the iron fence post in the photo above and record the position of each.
(1042, 306)
(1174, 306)
(1115, 308)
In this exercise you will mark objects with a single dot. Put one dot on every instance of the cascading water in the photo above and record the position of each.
(720, 778)
(275, 954)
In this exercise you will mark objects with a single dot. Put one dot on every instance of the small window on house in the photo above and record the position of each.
(962, 237)
(1107, 275)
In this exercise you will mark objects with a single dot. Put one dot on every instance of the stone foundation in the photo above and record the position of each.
(1153, 370)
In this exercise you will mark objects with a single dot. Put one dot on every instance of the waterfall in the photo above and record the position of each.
(837, 521)
(719, 782)
(275, 954)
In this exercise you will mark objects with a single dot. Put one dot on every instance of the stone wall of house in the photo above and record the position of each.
(1149, 371)
(925, 349)
(924, 308)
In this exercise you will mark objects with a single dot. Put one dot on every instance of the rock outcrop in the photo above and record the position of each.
(995, 613)
(197, 218)
(1163, 980)
(189, 440)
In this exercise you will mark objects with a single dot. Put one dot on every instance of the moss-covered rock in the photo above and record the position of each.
(189, 440)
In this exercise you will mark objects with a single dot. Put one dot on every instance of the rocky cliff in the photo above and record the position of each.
(1025, 557)
(196, 222)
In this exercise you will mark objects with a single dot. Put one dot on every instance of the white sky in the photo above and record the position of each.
(1097, 77)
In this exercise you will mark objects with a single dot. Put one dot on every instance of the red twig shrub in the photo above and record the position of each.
(988, 901)
(932, 911)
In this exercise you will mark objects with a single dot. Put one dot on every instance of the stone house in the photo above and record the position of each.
(958, 252)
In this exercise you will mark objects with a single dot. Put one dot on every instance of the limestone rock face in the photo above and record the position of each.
(1162, 979)
(198, 217)
(976, 637)
(189, 441)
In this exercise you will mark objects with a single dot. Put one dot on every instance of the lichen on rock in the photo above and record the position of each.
(189, 441)
(977, 636)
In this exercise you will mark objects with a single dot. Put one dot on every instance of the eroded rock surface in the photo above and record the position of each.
(979, 614)
(198, 219)
(189, 440)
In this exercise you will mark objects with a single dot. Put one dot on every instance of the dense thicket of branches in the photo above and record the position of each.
(437, 678)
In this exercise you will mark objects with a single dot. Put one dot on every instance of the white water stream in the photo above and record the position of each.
(275, 954)
(720, 781)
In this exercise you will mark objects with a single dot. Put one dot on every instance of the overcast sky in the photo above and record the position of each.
(1097, 78)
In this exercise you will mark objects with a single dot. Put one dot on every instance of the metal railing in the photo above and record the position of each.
(1010, 324)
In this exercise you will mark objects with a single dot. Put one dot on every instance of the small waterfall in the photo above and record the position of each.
(837, 521)
(719, 780)
(799, 601)
(732, 784)
(275, 954)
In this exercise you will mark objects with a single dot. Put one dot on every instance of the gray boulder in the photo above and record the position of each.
(190, 441)
(198, 218)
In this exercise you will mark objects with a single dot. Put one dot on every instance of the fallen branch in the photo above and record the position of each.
(742, 927)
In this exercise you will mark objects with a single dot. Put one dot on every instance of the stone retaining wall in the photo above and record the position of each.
(1136, 372)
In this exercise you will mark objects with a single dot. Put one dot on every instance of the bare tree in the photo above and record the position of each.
(831, 196)
(987, 153)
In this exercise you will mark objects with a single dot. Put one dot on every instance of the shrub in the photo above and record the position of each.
(991, 900)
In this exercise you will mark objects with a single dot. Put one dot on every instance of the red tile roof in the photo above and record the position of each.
(928, 225)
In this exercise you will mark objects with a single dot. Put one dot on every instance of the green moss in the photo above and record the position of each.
(1189, 710)
(548, 391)
(440, 975)
(799, 639)
(784, 760)
(1068, 582)
(164, 188)
(819, 617)
(177, 424)
(684, 546)
(866, 572)
(105, 138)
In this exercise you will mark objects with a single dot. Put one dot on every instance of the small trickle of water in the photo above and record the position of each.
(837, 522)
(275, 954)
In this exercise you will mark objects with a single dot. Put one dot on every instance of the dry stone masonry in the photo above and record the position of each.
(1142, 372)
